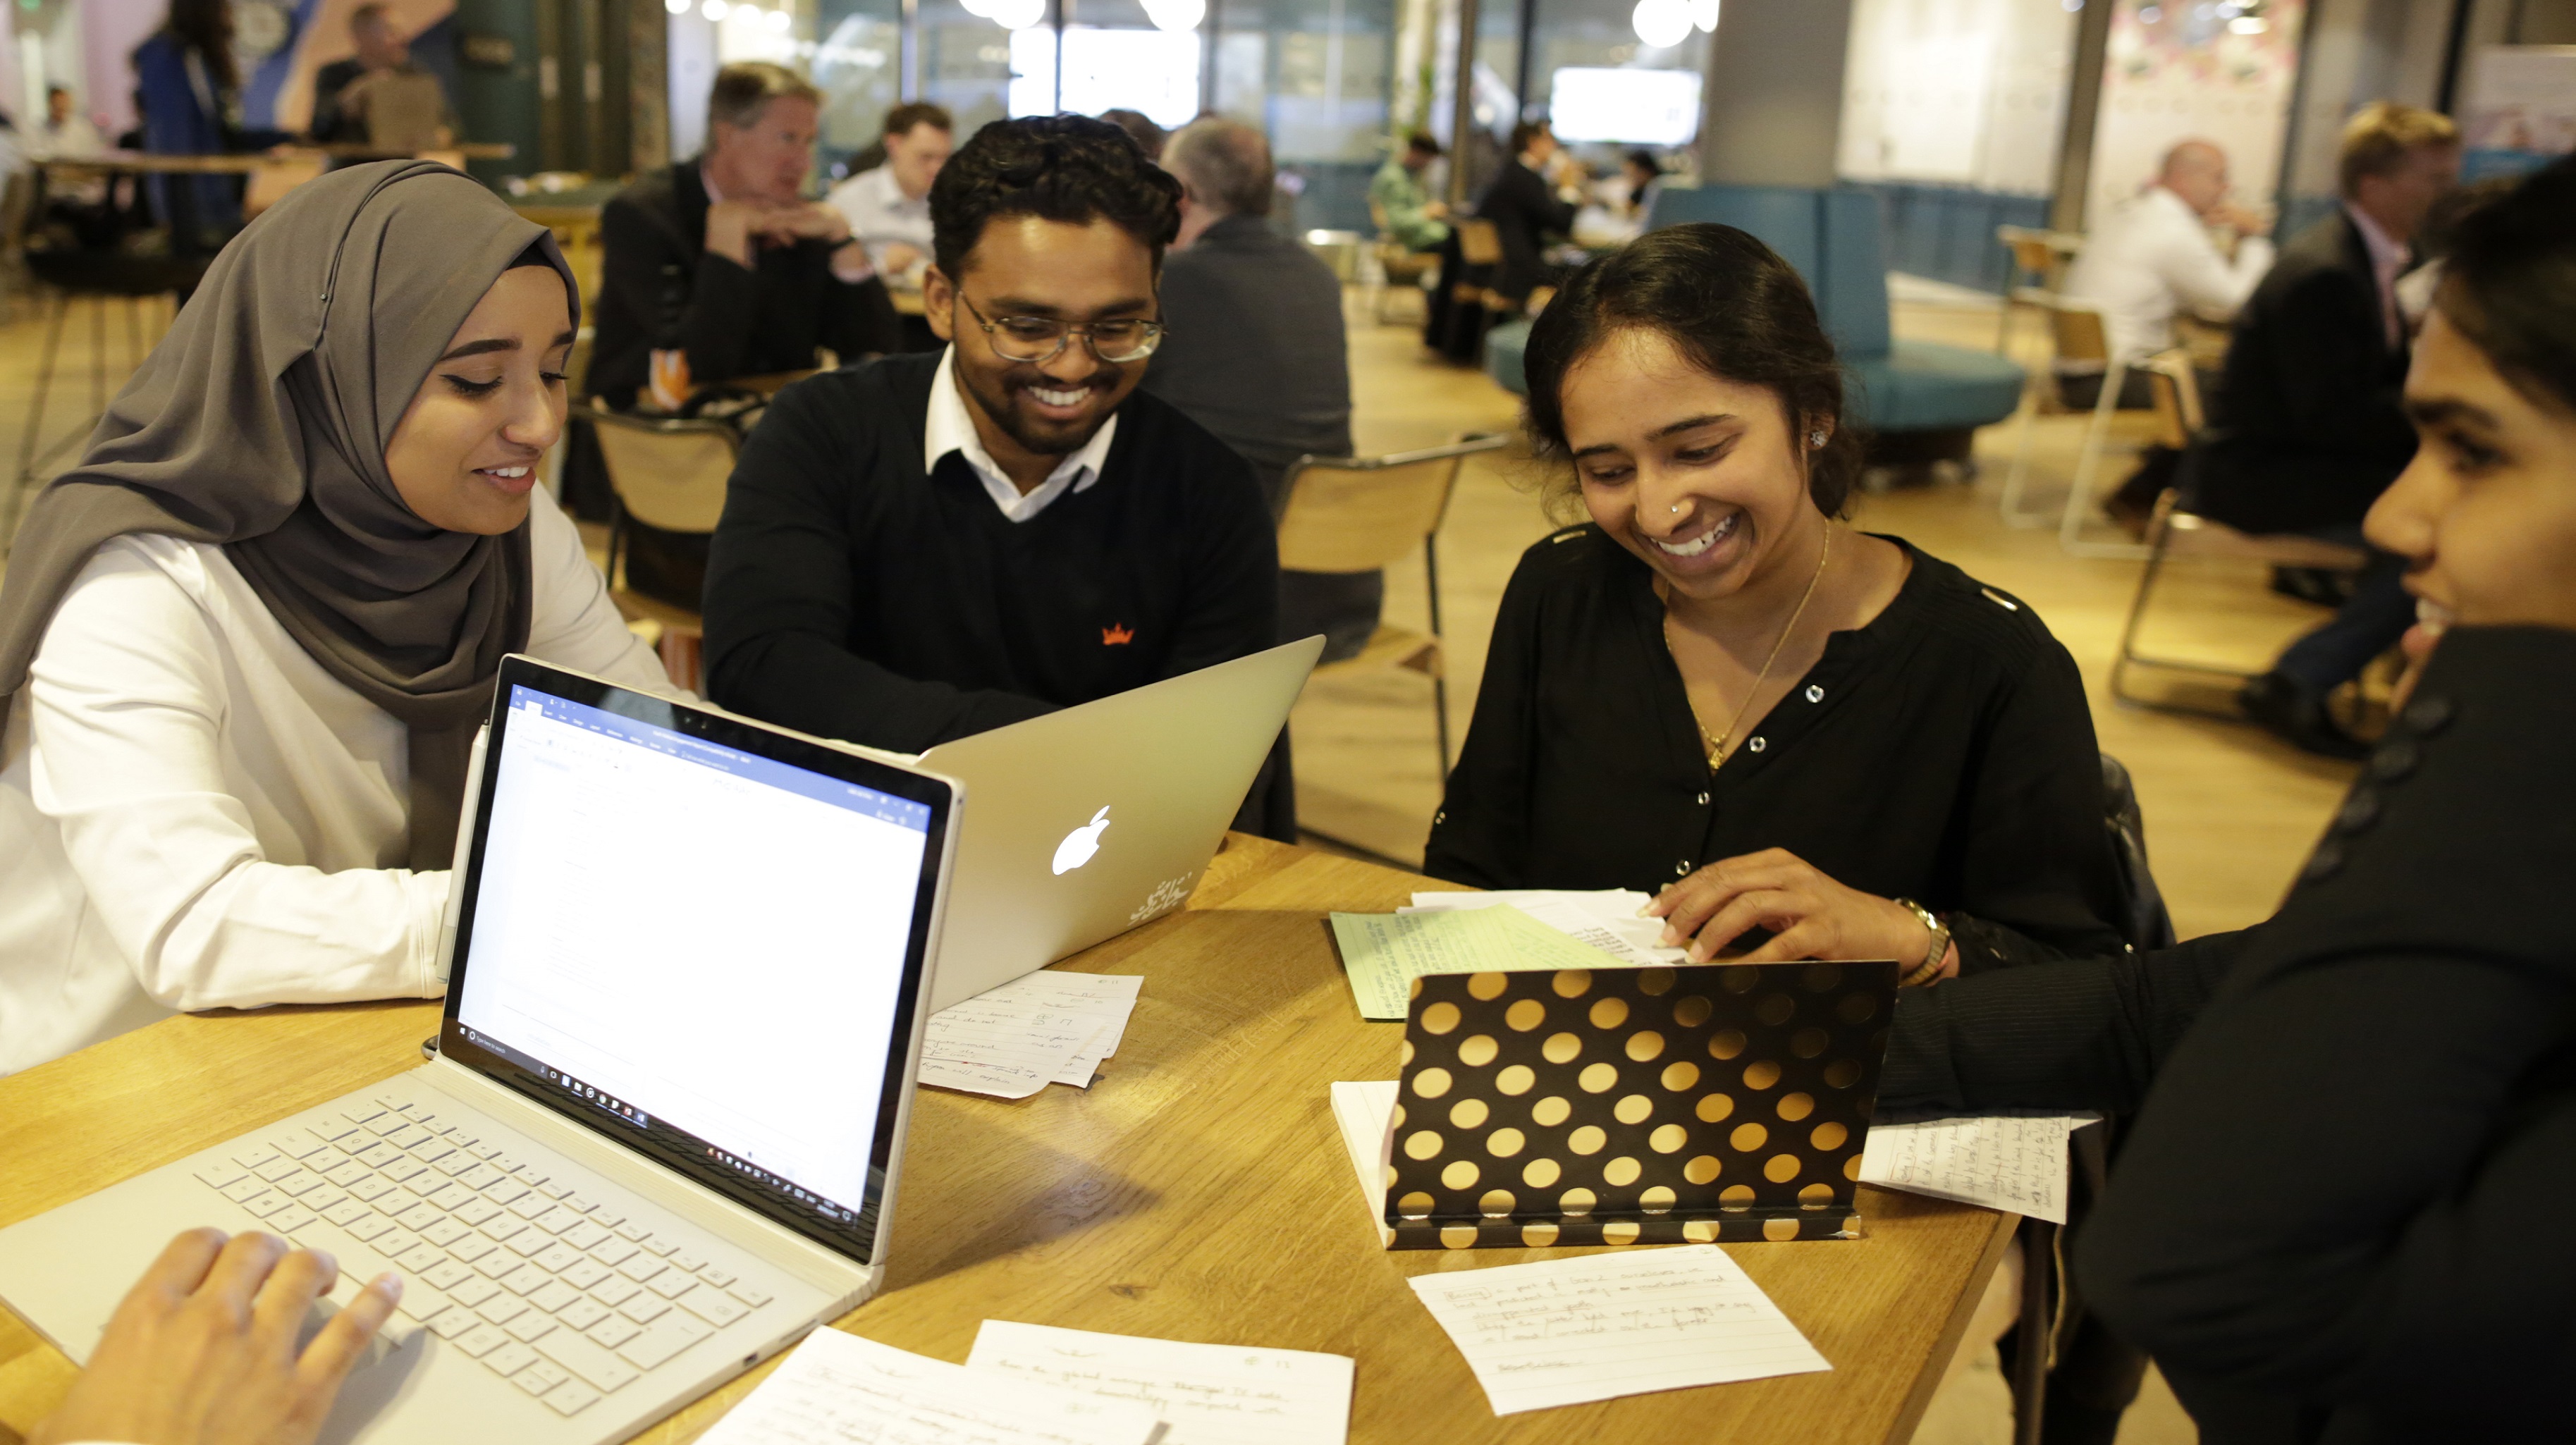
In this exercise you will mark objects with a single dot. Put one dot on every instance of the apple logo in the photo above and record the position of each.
(1081, 843)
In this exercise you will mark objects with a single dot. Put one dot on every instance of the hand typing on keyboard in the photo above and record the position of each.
(204, 1349)
(567, 1298)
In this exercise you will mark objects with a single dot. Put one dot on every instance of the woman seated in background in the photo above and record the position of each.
(245, 644)
(1716, 688)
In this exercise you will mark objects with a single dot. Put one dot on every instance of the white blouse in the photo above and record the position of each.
(194, 815)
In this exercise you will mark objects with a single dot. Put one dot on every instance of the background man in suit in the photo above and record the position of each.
(2305, 428)
(1255, 352)
(721, 259)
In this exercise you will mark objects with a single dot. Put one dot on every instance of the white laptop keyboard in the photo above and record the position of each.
(559, 1291)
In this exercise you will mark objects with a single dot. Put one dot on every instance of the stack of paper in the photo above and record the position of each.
(1013, 1040)
(1596, 1326)
(1385, 952)
(840, 1388)
(1204, 1394)
(1364, 1111)
(2015, 1162)
(1606, 920)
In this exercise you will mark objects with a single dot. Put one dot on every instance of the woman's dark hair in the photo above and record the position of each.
(1729, 304)
(1067, 168)
(206, 27)
(2510, 284)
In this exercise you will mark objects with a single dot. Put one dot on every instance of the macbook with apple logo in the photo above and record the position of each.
(1099, 818)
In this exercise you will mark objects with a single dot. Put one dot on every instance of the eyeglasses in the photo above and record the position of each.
(1038, 339)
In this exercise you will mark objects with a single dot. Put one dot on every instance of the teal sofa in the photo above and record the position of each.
(1920, 400)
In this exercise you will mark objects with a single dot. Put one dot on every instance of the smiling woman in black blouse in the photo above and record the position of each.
(1715, 689)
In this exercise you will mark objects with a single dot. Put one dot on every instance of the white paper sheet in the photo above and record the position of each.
(839, 1388)
(1597, 1326)
(2015, 1162)
(1109, 997)
(1204, 1394)
(1364, 1111)
(1008, 1050)
(1605, 919)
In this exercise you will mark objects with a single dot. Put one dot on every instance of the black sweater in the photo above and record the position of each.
(851, 595)
(1943, 753)
(2340, 1217)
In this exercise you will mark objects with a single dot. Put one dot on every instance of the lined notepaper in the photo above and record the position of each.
(1597, 1326)
(1383, 953)
(1203, 1394)
(2015, 1162)
(839, 1389)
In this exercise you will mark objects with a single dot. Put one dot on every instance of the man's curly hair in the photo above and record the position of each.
(1067, 168)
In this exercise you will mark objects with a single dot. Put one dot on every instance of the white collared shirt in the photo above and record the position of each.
(2152, 257)
(881, 215)
(949, 428)
(2387, 263)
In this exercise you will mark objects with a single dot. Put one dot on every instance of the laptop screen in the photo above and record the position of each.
(700, 937)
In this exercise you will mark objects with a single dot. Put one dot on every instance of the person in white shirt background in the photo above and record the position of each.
(889, 207)
(2156, 255)
(246, 643)
(65, 132)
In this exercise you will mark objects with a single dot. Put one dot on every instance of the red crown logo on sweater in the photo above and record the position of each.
(1118, 636)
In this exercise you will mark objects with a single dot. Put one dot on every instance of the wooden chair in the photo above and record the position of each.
(2174, 531)
(1360, 514)
(1399, 268)
(2038, 263)
(1480, 249)
(669, 474)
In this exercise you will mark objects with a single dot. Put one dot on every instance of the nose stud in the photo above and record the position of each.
(1677, 507)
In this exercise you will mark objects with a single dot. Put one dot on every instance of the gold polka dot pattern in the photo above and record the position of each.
(1717, 1102)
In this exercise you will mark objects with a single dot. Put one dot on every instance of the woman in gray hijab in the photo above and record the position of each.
(245, 643)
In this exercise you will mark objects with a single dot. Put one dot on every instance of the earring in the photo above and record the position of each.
(1815, 441)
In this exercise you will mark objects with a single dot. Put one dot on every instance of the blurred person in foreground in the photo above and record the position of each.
(2305, 428)
(2329, 1223)
(1255, 353)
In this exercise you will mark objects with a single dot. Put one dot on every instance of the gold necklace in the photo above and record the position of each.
(1717, 743)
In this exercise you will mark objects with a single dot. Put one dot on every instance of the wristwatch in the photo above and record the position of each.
(1930, 968)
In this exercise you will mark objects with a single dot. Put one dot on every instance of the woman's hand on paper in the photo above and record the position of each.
(1808, 914)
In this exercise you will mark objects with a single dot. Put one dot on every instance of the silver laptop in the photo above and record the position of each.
(660, 1137)
(1093, 820)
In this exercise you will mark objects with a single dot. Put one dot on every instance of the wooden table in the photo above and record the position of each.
(1198, 1191)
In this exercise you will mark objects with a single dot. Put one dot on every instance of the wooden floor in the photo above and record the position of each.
(2229, 812)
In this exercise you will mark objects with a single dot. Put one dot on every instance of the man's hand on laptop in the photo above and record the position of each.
(205, 1349)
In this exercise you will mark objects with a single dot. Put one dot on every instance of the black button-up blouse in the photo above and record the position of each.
(1942, 752)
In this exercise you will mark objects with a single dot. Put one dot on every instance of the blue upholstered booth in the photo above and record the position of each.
(1836, 239)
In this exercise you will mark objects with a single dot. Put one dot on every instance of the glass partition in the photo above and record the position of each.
(1316, 76)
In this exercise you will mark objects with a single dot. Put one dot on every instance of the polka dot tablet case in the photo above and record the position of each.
(1636, 1106)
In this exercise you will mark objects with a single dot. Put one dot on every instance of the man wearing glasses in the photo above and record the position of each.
(930, 546)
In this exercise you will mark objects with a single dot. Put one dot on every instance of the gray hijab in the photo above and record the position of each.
(260, 424)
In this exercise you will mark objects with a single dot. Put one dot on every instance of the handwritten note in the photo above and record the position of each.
(839, 1389)
(1605, 919)
(1598, 1326)
(1204, 1394)
(1110, 998)
(2015, 1162)
(1385, 952)
(1364, 1112)
(1005, 1046)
